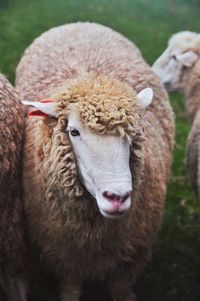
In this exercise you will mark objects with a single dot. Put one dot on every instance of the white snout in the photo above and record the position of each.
(114, 199)
(103, 165)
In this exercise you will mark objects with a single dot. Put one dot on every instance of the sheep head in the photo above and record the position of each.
(101, 119)
(181, 54)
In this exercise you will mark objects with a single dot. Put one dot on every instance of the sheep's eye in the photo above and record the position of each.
(74, 132)
(173, 57)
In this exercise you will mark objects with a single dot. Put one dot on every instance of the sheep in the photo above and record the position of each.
(97, 156)
(179, 69)
(12, 246)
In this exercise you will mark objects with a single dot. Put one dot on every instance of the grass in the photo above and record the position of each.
(174, 273)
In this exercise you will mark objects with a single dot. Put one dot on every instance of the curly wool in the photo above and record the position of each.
(104, 106)
(70, 182)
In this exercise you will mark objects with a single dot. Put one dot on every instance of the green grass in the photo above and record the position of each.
(174, 273)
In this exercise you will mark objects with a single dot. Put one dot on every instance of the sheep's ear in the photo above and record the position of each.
(188, 58)
(145, 97)
(43, 108)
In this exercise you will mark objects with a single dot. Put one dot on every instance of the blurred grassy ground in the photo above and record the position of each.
(174, 273)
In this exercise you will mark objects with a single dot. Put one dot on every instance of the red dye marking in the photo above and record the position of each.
(47, 100)
(37, 113)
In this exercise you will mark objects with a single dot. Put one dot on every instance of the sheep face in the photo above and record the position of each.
(100, 128)
(103, 164)
(176, 60)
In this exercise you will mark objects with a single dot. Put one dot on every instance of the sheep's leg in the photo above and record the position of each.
(70, 293)
(15, 287)
(122, 291)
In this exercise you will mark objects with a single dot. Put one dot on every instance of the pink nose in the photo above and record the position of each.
(116, 198)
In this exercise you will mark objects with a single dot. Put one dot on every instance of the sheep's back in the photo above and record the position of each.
(70, 50)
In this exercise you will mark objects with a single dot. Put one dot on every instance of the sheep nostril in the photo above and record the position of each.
(110, 196)
(113, 197)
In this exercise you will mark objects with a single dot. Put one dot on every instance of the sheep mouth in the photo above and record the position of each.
(169, 87)
(117, 213)
(112, 214)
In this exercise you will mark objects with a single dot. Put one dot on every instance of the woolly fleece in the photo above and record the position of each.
(76, 241)
(12, 248)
